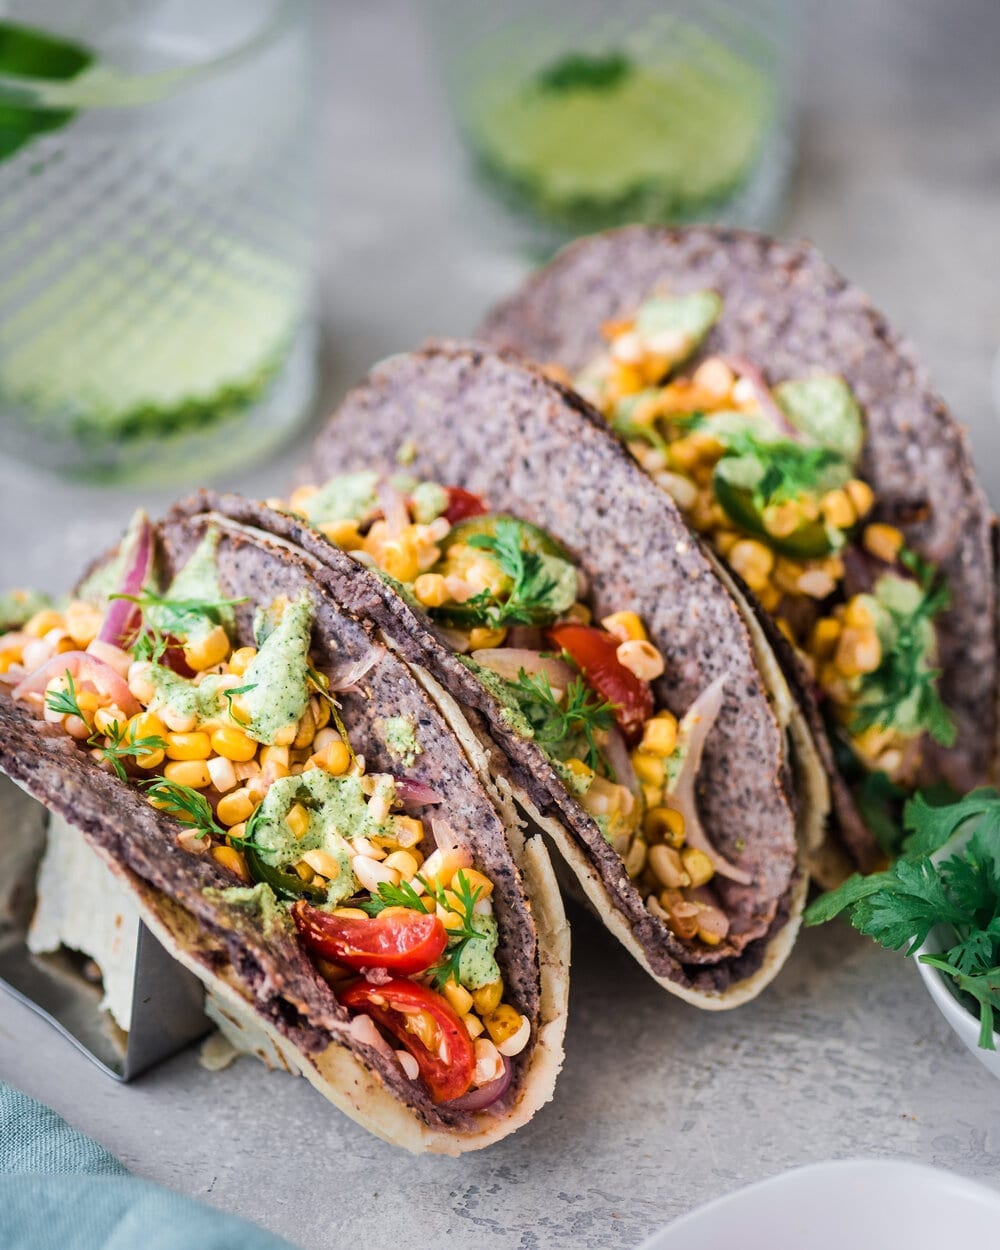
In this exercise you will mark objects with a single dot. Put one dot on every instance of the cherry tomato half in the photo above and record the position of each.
(447, 1071)
(462, 504)
(401, 941)
(594, 651)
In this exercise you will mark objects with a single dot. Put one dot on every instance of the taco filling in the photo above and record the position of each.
(511, 602)
(245, 747)
(769, 475)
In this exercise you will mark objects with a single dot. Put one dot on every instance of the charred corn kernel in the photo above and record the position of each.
(335, 759)
(479, 638)
(517, 1041)
(697, 865)
(459, 997)
(430, 590)
(232, 859)
(502, 1023)
(274, 755)
(823, 641)
(193, 773)
(474, 881)
(405, 864)
(884, 542)
(665, 824)
(235, 807)
(861, 495)
(40, 624)
(487, 997)
(782, 519)
(233, 744)
(752, 561)
(473, 1026)
(838, 510)
(297, 820)
(323, 863)
(641, 658)
(399, 560)
(343, 534)
(370, 873)
(82, 622)
(207, 651)
(409, 831)
(306, 731)
(648, 767)
(659, 737)
(241, 659)
(667, 867)
(858, 651)
(627, 626)
(189, 746)
(441, 865)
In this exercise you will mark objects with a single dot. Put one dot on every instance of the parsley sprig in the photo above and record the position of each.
(121, 740)
(903, 675)
(184, 804)
(531, 598)
(404, 895)
(556, 724)
(899, 907)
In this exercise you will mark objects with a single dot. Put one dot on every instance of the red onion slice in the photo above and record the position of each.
(411, 792)
(121, 621)
(507, 662)
(82, 668)
(394, 509)
(485, 1095)
(695, 727)
(616, 753)
(768, 405)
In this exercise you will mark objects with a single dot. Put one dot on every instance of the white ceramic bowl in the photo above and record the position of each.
(942, 989)
(857, 1204)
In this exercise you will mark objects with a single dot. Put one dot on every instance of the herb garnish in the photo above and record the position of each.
(531, 599)
(900, 906)
(578, 70)
(185, 804)
(555, 725)
(123, 742)
(179, 616)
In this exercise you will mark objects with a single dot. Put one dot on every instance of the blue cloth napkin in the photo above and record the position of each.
(59, 1190)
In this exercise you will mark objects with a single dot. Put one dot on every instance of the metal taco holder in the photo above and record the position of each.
(144, 1007)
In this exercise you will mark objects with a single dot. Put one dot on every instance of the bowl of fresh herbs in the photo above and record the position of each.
(940, 900)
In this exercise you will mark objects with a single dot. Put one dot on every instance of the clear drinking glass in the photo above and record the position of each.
(581, 115)
(157, 224)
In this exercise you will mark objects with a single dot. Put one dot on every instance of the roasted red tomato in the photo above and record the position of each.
(399, 940)
(594, 651)
(447, 1070)
(462, 504)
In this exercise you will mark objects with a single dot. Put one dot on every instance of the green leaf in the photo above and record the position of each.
(26, 52)
(930, 827)
(983, 987)
(543, 586)
(579, 71)
(185, 804)
(389, 895)
(825, 410)
(63, 702)
(558, 725)
(847, 895)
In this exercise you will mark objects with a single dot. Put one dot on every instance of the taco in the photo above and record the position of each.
(300, 828)
(562, 605)
(805, 445)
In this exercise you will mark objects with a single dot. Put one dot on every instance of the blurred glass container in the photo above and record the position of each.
(157, 228)
(582, 115)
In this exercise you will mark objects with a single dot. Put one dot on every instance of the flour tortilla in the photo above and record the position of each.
(789, 311)
(266, 969)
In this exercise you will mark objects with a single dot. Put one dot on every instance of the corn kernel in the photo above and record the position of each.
(351, 913)
(189, 746)
(83, 621)
(343, 534)
(665, 824)
(409, 831)
(648, 768)
(399, 560)
(857, 614)
(305, 734)
(859, 651)
(235, 807)
(297, 820)
(334, 758)
(285, 736)
(459, 997)
(579, 769)
(883, 542)
(659, 737)
(241, 659)
(473, 1026)
(474, 881)
(838, 510)
(487, 997)
(405, 864)
(430, 590)
(823, 642)
(321, 712)
(667, 867)
(625, 626)
(641, 658)
(480, 638)
(305, 873)
(502, 1023)
(861, 495)
(232, 859)
(441, 865)
(208, 651)
(697, 865)
(323, 863)
(274, 755)
(40, 624)
(782, 519)
(233, 744)
(752, 561)
(193, 773)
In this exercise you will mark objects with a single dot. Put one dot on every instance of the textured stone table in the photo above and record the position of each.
(659, 1107)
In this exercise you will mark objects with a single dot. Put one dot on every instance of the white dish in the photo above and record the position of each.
(961, 1019)
(857, 1204)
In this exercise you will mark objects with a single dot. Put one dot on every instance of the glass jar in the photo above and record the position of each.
(580, 115)
(157, 228)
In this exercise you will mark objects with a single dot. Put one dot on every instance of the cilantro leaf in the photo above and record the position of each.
(557, 725)
(389, 895)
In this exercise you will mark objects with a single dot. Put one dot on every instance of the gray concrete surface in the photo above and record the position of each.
(659, 1108)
